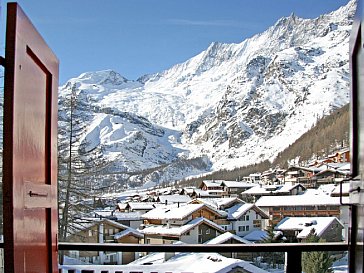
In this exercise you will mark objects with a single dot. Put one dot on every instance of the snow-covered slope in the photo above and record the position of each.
(229, 106)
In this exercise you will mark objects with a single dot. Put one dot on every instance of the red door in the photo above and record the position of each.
(30, 148)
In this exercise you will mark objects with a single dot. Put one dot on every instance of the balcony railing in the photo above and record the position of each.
(293, 250)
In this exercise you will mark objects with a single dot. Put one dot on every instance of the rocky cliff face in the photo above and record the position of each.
(229, 106)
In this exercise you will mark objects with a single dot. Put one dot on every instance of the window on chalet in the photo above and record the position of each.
(241, 228)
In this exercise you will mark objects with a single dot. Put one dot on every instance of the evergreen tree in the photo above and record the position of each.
(317, 261)
(273, 258)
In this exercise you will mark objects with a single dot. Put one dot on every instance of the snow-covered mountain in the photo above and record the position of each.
(229, 106)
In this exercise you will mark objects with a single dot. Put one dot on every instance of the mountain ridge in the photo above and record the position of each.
(230, 106)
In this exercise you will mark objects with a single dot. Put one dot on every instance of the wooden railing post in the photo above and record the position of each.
(293, 262)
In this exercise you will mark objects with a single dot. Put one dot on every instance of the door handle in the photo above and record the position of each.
(36, 194)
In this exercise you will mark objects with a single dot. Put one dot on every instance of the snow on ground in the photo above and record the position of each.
(181, 262)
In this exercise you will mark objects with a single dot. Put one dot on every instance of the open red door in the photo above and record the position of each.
(30, 148)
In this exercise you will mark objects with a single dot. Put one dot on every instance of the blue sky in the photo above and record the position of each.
(138, 37)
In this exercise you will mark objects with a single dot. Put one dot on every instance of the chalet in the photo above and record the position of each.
(340, 156)
(268, 190)
(141, 207)
(272, 176)
(103, 231)
(245, 218)
(310, 204)
(252, 178)
(218, 203)
(196, 231)
(130, 219)
(296, 229)
(328, 176)
(234, 188)
(179, 215)
(198, 193)
(211, 185)
(187, 191)
(297, 174)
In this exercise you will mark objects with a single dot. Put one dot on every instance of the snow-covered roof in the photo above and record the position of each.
(345, 189)
(307, 169)
(256, 190)
(189, 190)
(191, 262)
(103, 213)
(174, 212)
(213, 183)
(135, 215)
(256, 235)
(141, 205)
(287, 187)
(203, 193)
(226, 237)
(175, 198)
(126, 232)
(333, 171)
(219, 202)
(306, 224)
(345, 167)
(122, 206)
(86, 223)
(238, 184)
(238, 210)
(298, 200)
(180, 262)
(271, 189)
(179, 230)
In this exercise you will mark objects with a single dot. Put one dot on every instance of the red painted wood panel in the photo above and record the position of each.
(30, 148)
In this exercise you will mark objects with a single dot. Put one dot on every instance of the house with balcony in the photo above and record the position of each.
(310, 204)
(213, 188)
(103, 231)
(211, 185)
(245, 218)
(340, 156)
(198, 193)
(170, 223)
(141, 207)
(179, 215)
(272, 176)
(328, 176)
(298, 174)
(253, 194)
(196, 231)
(234, 188)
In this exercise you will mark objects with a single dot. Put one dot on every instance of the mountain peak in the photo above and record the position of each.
(233, 104)
(103, 77)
